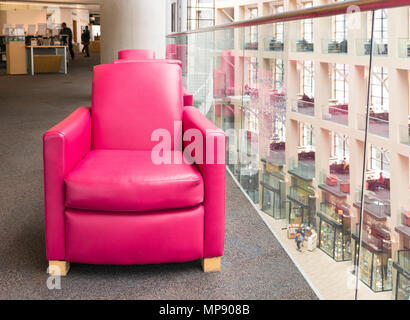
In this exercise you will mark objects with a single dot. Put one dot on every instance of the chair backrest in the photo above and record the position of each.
(170, 61)
(136, 54)
(131, 100)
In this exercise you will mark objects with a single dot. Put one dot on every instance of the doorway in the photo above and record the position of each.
(75, 31)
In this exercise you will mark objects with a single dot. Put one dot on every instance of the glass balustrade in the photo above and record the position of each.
(334, 46)
(281, 101)
(363, 48)
(404, 48)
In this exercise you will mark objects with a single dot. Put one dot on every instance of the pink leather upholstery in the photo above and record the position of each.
(170, 61)
(214, 180)
(136, 54)
(64, 146)
(105, 202)
(133, 182)
(124, 238)
(155, 102)
(188, 98)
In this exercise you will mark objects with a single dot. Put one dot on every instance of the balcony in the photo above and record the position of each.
(271, 44)
(404, 48)
(338, 113)
(277, 153)
(404, 133)
(377, 205)
(302, 45)
(363, 47)
(378, 123)
(337, 185)
(303, 168)
(304, 105)
(251, 46)
(333, 46)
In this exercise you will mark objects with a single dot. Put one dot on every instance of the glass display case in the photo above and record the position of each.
(301, 203)
(402, 267)
(273, 195)
(375, 264)
(334, 230)
(249, 180)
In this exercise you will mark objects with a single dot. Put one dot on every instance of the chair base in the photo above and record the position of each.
(61, 268)
(58, 268)
(211, 264)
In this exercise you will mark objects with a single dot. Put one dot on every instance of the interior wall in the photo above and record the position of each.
(67, 15)
(23, 16)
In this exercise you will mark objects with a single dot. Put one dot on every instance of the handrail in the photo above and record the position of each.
(312, 12)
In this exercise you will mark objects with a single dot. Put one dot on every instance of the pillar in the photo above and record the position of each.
(132, 24)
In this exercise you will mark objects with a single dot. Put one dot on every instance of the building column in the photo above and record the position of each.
(132, 24)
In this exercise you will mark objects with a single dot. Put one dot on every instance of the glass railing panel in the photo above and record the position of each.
(378, 123)
(302, 45)
(363, 47)
(334, 46)
(304, 105)
(227, 93)
(273, 45)
(404, 48)
(404, 132)
(402, 270)
(338, 113)
(282, 110)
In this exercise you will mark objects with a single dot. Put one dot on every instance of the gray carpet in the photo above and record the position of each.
(254, 266)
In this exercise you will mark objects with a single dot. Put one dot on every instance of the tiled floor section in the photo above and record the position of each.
(332, 279)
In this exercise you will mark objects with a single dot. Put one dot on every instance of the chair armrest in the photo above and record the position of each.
(63, 146)
(213, 173)
(188, 98)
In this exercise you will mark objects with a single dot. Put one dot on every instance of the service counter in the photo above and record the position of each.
(46, 59)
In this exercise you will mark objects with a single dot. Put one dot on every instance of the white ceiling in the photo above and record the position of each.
(92, 5)
(53, 1)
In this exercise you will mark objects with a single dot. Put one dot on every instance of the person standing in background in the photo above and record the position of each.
(69, 34)
(85, 40)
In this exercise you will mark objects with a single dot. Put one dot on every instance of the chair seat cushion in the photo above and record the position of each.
(124, 180)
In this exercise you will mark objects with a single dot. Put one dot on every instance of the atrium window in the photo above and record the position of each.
(200, 14)
(379, 90)
(341, 147)
(307, 26)
(380, 26)
(307, 139)
(278, 29)
(380, 160)
(339, 27)
(308, 82)
(278, 74)
(252, 72)
(340, 84)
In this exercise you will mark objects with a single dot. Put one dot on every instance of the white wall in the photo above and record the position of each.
(23, 16)
(68, 15)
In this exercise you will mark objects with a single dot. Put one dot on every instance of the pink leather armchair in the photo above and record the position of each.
(134, 55)
(106, 202)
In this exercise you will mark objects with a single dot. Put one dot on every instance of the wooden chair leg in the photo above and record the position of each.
(58, 268)
(211, 264)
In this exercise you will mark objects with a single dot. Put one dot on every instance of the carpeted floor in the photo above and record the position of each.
(254, 266)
